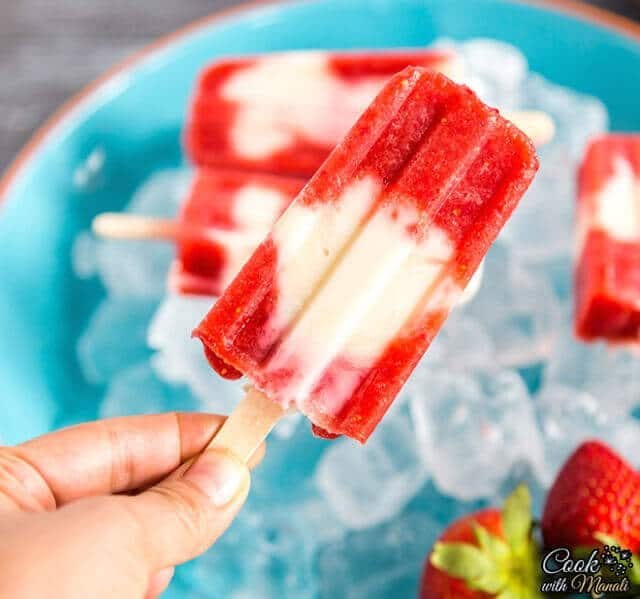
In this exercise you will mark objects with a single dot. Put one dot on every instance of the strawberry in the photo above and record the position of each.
(438, 584)
(490, 553)
(596, 495)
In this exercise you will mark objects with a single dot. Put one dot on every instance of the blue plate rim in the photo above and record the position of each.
(593, 15)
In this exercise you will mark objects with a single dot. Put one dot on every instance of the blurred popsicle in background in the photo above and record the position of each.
(607, 285)
(285, 112)
(225, 215)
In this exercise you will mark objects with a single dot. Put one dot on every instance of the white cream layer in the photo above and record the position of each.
(618, 203)
(616, 206)
(255, 209)
(349, 293)
(286, 96)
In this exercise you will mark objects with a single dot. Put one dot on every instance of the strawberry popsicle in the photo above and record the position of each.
(336, 307)
(607, 283)
(285, 112)
(224, 217)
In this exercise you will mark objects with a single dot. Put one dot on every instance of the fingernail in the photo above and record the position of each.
(218, 474)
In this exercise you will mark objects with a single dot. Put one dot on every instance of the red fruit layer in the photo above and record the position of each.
(435, 146)
(595, 491)
(211, 116)
(600, 158)
(607, 290)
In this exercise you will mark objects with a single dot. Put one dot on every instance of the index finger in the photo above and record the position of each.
(109, 456)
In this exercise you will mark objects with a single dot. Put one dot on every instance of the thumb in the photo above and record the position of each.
(122, 546)
(183, 515)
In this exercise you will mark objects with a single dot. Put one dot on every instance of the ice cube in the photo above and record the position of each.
(174, 320)
(569, 416)
(367, 485)
(139, 268)
(162, 194)
(287, 426)
(115, 337)
(578, 117)
(381, 562)
(541, 228)
(494, 69)
(624, 439)
(137, 390)
(558, 272)
(83, 256)
(522, 473)
(517, 307)
(211, 392)
(472, 428)
(609, 374)
(180, 359)
(462, 344)
(134, 268)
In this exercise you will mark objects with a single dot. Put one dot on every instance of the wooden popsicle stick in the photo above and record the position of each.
(248, 425)
(117, 225)
(127, 226)
(538, 125)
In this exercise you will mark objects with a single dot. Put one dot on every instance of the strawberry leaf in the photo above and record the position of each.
(526, 572)
(471, 564)
(634, 572)
(476, 566)
(492, 582)
(490, 544)
(516, 518)
(521, 593)
(461, 560)
(508, 568)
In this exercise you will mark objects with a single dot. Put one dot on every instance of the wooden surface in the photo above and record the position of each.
(49, 49)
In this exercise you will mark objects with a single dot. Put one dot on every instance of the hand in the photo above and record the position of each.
(107, 509)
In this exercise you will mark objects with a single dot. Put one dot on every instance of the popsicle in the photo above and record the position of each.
(607, 281)
(224, 216)
(285, 112)
(230, 213)
(336, 307)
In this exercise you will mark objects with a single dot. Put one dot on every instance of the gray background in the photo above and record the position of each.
(49, 49)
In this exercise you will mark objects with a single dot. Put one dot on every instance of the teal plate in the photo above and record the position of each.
(134, 116)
